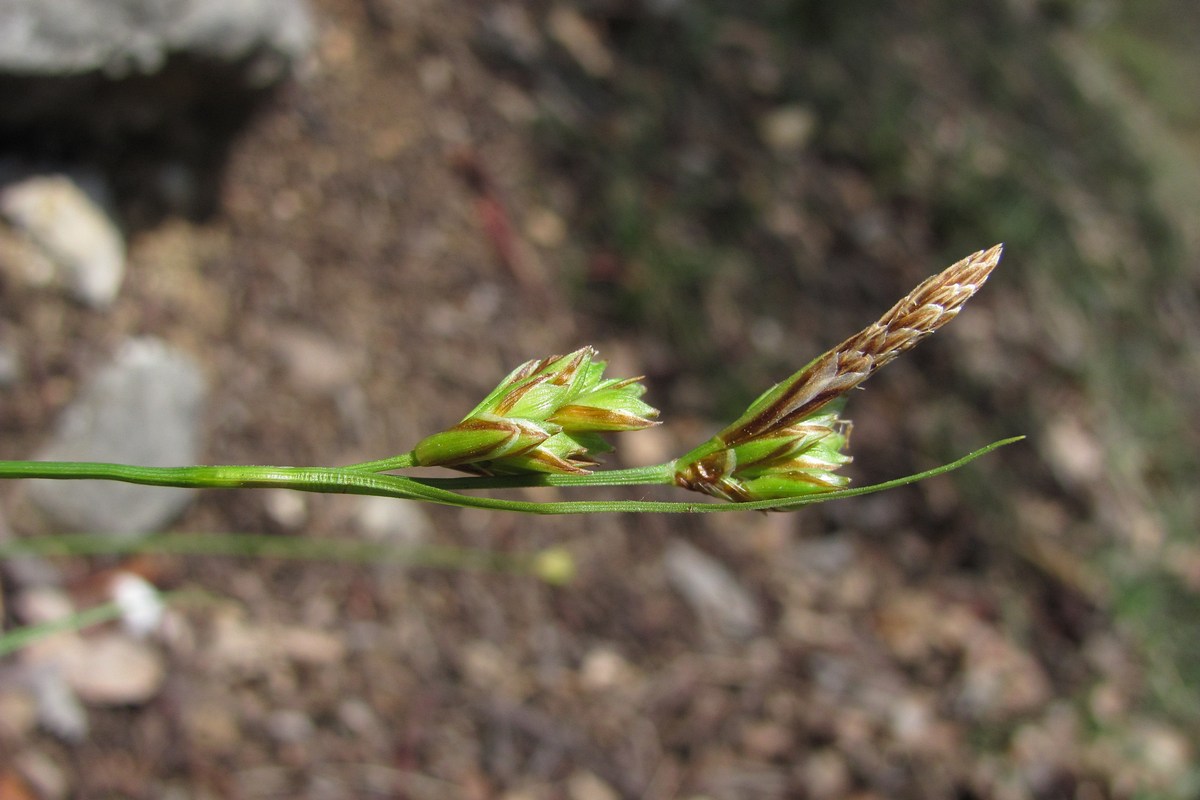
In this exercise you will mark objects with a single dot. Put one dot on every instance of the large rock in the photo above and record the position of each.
(122, 38)
(69, 221)
(167, 81)
(143, 409)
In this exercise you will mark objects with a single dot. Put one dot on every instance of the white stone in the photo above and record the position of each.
(140, 603)
(111, 669)
(387, 519)
(788, 129)
(69, 222)
(144, 409)
(712, 591)
(122, 37)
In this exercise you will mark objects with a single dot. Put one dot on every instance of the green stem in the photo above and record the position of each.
(404, 461)
(14, 640)
(353, 481)
(657, 475)
(256, 546)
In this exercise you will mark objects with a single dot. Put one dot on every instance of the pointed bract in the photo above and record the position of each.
(925, 309)
(545, 416)
(794, 460)
(483, 438)
(787, 443)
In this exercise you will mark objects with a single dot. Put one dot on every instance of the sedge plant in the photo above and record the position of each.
(543, 425)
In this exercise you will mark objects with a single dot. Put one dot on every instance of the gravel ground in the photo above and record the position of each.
(406, 223)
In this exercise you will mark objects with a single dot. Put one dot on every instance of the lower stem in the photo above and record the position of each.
(353, 481)
(313, 479)
(345, 480)
(657, 475)
(385, 464)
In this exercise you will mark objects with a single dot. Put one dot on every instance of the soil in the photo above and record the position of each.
(394, 233)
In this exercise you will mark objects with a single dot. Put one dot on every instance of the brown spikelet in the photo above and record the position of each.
(934, 302)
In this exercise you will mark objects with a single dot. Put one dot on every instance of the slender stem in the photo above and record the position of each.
(14, 640)
(349, 481)
(657, 475)
(256, 546)
(404, 461)
(312, 479)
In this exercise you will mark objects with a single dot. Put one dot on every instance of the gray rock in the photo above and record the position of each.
(58, 707)
(714, 593)
(112, 669)
(386, 519)
(68, 220)
(118, 38)
(143, 85)
(10, 366)
(144, 409)
(507, 31)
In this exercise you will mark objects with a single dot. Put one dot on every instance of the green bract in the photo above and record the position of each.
(784, 461)
(477, 438)
(544, 417)
(542, 426)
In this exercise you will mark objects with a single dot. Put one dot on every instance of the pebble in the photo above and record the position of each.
(788, 129)
(1166, 752)
(545, 227)
(910, 719)
(1000, 680)
(10, 367)
(604, 668)
(316, 364)
(38, 605)
(579, 37)
(1074, 452)
(488, 667)
(310, 646)
(237, 646)
(142, 408)
(290, 726)
(584, 785)
(141, 605)
(436, 75)
(385, 519)
(287, 508)
(58, 707)
(358, 717)
(48, 778)
(508, 32)
(712, 591)
(767, 740)
(113, 669)
(68, 219)
(826, 556)
(826, 774)
(211, 724)
(18, 713)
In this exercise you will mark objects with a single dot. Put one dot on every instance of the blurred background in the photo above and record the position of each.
(264, 232)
